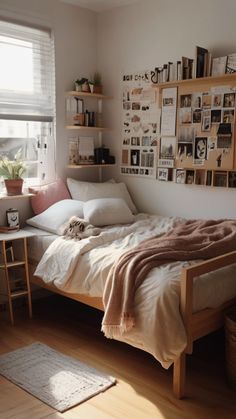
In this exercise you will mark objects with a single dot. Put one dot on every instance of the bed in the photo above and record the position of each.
(179, 301)
(190, 304)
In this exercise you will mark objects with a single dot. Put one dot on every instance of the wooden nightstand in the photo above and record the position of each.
(9, 262)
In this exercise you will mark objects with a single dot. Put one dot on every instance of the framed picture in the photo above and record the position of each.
(162, 174)
(180, 176)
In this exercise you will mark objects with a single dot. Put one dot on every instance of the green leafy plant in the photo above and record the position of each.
(11, 169)
(81, 81)
(97, 79)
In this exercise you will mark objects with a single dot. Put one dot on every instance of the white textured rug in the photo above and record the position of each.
(58, 380)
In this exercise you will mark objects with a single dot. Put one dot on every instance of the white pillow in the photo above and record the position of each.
(57, 214)
(107, 211)
(84, 191)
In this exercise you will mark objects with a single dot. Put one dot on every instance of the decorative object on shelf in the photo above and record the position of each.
(86, 150)
(81, 85)
(102, 155)
(11, 171)
(12, 215)
(79, 116)
(73, 151)
(97, 81)
(91, 86)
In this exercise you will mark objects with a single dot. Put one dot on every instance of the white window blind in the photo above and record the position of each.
(27, 98)
(26, 72)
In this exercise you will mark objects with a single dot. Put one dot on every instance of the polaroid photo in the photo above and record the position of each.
(211, 144)
(162, 174)
(125, 157)
(189, 177)
(185, 150)
(206, 120)
(148, 157)
(186, 134)
(197, 117)
(168, 147)
(206, 100)
(229, 100)
(197, 101)
(135, 141)
(228, 116)
(200, 149)
(180, 176)
(146, 141)
(216, 100)
(134, 157)
(185, 115)
(215, 116)
(185, 101)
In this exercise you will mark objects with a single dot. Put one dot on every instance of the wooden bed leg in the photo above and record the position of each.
(179, 376)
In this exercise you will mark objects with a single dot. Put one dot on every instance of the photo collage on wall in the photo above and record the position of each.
(140, 125)
(206, 123)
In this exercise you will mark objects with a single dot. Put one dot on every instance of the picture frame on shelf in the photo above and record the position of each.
(86, 150)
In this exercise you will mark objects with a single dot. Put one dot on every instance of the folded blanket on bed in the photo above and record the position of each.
(194, 239)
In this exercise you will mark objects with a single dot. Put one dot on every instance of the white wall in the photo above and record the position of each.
(146, 35)
(75, 56)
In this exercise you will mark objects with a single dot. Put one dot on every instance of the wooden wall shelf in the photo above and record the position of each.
(85, 128)
(87, 166)
(211, 80)
(88, 95)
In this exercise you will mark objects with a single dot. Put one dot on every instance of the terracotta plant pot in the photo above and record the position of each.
(97, 89)
(14, 186)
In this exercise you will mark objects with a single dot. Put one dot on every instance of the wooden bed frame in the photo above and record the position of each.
(197, 324)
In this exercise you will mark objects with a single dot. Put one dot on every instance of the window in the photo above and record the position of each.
(27, 99)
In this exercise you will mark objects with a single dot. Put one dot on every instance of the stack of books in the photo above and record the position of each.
(203, 65)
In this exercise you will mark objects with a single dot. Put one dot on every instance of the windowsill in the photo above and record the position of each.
(4, 196)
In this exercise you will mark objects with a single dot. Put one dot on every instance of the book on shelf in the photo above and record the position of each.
(179, 70)
(201, 62)
(187, 68)
(73, 153)
(218, 66)
(231, 63)
(86, 150)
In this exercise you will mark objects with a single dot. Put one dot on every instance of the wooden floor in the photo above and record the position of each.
(144, 388)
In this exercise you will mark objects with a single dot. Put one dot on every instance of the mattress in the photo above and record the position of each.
(82, 267)
(38, 243)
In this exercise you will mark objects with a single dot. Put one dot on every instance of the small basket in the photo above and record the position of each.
(230, 346)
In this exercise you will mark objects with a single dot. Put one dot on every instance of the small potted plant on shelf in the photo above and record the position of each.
(11, 171)
(97, 80)
(81, 85)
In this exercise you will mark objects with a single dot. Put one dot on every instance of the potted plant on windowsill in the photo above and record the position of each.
(11, 171)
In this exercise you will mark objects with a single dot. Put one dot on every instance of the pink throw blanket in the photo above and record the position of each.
(193, 239)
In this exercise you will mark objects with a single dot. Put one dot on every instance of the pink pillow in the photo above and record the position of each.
(47, 195)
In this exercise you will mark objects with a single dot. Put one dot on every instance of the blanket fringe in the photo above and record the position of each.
(112, 331)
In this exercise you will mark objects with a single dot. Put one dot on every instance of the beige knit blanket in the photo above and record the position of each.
(193, 239)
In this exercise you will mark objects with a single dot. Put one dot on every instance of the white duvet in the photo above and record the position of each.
(82, 267)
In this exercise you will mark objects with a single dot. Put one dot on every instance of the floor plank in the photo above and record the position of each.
(144, 388)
